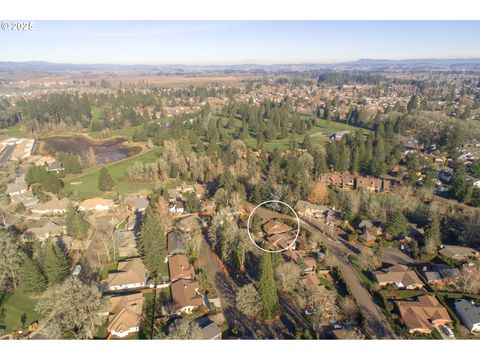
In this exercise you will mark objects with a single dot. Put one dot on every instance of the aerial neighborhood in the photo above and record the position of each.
(136, 201)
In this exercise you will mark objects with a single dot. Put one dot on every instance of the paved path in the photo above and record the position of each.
(341, 249)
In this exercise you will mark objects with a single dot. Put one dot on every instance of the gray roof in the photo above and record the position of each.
(457, 252)
(469, 313)
(175, 242)
(208, 328)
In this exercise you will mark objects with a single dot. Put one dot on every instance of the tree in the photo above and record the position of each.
(185, 329)
(367, 260)
(152, 241)
(288, 274)
(248, 301)
(11, 257)
(268, 289)
(397, 224)
(75, 308)
(432, 236)
(469, 280)
(105, 181)
(33, 281)
(75, 222)
(318, 193)
(56, 264)
(192, 204)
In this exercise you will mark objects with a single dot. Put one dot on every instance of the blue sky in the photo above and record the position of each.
(239, 42)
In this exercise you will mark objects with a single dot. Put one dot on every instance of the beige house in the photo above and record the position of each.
(422, 314)
(96, 204)
(400, 276)
(185, 295)
(125, 314)
(130, 274)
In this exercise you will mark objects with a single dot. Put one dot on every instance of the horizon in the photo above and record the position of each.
(226, 43)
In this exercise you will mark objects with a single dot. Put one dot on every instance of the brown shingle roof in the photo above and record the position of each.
(125, 312)
(184, 293)
(130, 271)
(179, 267)
(421, 314)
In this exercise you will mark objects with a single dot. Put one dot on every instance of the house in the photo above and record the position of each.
(185, 296)
(422, 314)
(310, 265)
(208, 329)
(52, 207)
(442, 275)
(400, 276)
(27, 199)
(339, 135)
(130, 274)
(273, 227)
(199, 191)
(283, 240)
(368, 183)
(16, 188)
(445, 176)
(173, 195)
(96, 204)
(188, 223)
(469, 313)
(370, 230)
(310, 279)
(305, 208)
(42, 233)
(458, 252)
(177, 207)
(175, 242)
(55, 166)
(125, 313)
(180, 268)
(125, 243)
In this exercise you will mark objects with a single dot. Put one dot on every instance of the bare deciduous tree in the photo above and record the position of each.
(248, 300)
(288, 274)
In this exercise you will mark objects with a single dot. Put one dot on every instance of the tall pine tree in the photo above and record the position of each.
(56, 264)
(152, 242)
(268, 289)
(33, 281)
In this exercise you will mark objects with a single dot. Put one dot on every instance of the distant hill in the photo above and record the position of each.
(362, 64)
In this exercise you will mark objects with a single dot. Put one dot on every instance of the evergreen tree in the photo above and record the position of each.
(152, 241)
(105, 181)
(397, 224)
(75, 222)
(268, 289)
(33, 281)
(56, 264)
(432, 235)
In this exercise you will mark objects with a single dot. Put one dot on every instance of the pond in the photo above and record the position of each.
(104, 151)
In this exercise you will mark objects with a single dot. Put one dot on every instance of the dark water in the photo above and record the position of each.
(105, 150)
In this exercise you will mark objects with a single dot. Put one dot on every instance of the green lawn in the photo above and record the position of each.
(86, 186)
(14, 131)
(16, 307)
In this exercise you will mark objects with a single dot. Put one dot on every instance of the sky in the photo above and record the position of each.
(238, 42)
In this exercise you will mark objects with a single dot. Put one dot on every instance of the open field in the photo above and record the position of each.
(86, 185)
(17, 309)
